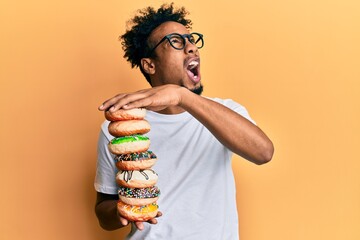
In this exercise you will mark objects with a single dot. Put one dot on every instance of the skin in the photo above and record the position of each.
(171, 94)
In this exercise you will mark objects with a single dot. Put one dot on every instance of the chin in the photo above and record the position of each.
(197, 90)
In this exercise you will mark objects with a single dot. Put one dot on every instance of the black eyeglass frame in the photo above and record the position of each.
(183, 37)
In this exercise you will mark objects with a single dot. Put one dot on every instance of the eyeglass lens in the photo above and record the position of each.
(178, 41)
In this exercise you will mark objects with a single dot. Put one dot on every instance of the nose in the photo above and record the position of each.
(189, 47)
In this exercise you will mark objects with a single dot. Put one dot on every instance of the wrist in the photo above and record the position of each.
(185, 97)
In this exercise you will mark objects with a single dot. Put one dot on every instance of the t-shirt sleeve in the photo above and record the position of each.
(236, 107)
(105, 168)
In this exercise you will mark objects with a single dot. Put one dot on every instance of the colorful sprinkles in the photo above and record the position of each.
(149, 192)
(136, 156)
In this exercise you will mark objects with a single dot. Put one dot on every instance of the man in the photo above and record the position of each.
(192, 136)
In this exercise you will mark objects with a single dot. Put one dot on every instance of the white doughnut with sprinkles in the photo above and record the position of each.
(139, 196)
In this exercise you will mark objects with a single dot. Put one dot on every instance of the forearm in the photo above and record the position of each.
(106, 212)
(229, 127)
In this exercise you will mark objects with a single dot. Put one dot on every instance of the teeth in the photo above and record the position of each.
(193, 64)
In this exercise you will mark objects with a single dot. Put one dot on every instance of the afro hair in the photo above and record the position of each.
(134, 41)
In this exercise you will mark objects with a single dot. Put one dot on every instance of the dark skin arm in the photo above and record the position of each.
(107, 214)
(230, 128)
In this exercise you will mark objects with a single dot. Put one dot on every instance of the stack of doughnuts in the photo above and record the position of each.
(135, 178)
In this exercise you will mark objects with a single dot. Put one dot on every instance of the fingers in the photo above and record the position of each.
(138, 103)
(110, 102)
(126, 101)
(159, 214)
(156, 99)
(139, 225)
(124, 221)
(153, 220)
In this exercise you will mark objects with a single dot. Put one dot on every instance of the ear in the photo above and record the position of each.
(148, 65)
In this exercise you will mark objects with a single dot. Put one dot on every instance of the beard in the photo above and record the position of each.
(198, 90)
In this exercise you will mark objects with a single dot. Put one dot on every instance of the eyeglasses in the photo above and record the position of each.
(178, 41)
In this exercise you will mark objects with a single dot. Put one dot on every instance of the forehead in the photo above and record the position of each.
(167, 28)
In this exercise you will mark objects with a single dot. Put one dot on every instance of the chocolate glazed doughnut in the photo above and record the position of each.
(139, 196)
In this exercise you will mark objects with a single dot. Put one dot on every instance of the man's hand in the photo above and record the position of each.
(140, 225)
(108, 214)
(155, 99)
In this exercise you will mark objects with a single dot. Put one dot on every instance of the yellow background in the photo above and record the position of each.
(294, 64)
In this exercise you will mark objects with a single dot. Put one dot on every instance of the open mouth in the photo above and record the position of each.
(193, 70)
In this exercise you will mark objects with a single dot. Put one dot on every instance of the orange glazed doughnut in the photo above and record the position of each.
(137, 213)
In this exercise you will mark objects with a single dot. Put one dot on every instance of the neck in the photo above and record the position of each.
(171, 110)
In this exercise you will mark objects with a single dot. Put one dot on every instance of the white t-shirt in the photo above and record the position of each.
(195, 178)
